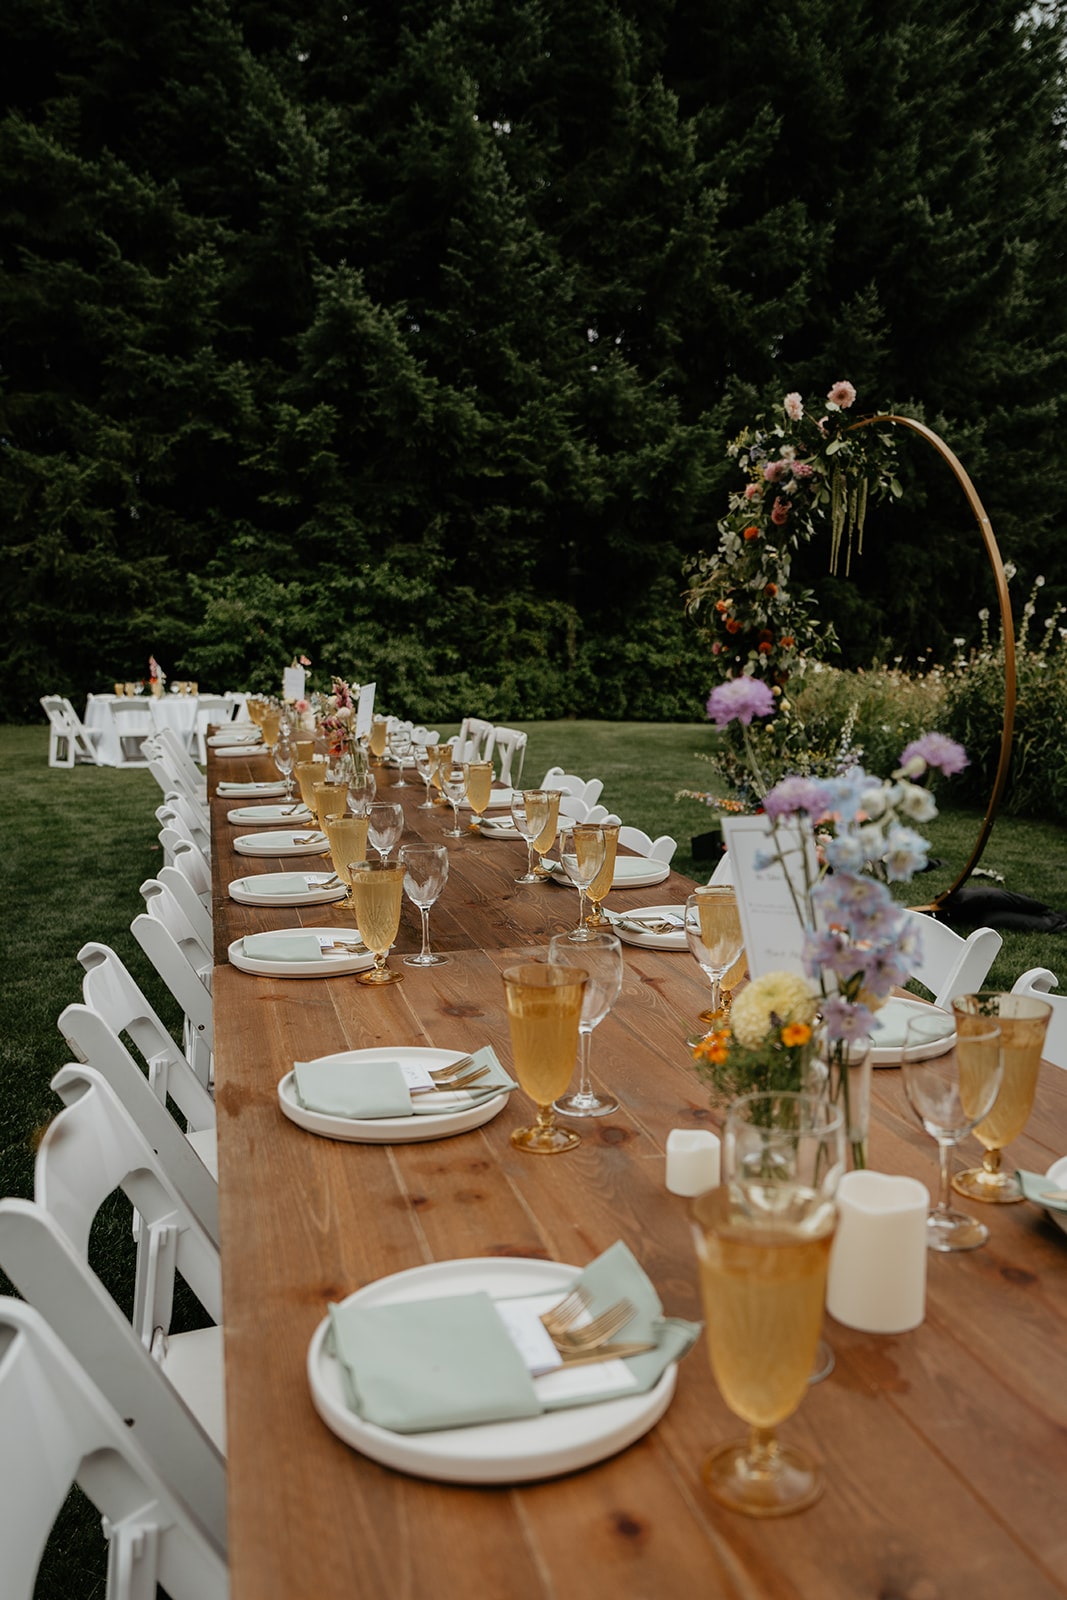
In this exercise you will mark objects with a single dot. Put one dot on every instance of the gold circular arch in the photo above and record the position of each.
(985, 528)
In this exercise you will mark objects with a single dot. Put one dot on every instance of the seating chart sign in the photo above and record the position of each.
(773, 929)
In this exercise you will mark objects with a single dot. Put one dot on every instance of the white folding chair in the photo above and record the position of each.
(69, 740)
(1039, 982)
(169, 1386)
(661, 849)
(510, 745)
(57, 1428)
(946, 963)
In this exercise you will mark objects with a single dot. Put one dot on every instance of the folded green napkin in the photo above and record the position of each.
(282, 946)
(366, 1087)
(1035, 1185)
(891, 1024)
(421, 1365)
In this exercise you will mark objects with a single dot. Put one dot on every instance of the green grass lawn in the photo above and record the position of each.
(80, 842)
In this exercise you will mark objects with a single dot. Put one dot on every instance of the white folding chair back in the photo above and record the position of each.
(661, 849)
(1039, 982)
(510, 746)
(69, 740)
(948, 964)
(190, 862)
(57, 1428)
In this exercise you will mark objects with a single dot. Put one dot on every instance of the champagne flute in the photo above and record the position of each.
(600, 958)
(386, 818)
(284, 758)
(347, 838)
(425, 873)
(950, 1094)
(377, 894)
(763, 1245)
(400, 747)
(601, 884)
(581, 850)
(479, 788)
(544, 1005)
(529, 813)
(713, 930)
(454, 784)
(425, 762)
(1023, 1022)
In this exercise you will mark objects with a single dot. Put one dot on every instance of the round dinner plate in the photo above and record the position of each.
(273, 814)
(390, 1130)
(243, 890)
(631, 872)
(1057, 1173)
(326, 967)
(495, 1452)
(281, 844)
(650, 941)
(894, 1016)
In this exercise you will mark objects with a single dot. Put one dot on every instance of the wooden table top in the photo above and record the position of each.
(944, 1449)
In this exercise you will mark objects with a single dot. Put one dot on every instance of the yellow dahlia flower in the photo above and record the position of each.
(790, 998)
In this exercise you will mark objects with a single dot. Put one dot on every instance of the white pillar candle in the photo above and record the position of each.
(877, 1280)
(692, 1160)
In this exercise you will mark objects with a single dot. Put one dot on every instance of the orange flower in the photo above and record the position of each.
(751, 532)
(795, 1033)
(732, 625)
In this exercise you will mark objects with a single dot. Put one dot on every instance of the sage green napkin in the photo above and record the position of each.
(891, 1024)
(1035, 1185)
(282, 946)
(416, 1366)
(352, 1089)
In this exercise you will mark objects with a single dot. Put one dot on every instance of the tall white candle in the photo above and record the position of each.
(877, 1280)
(693, 1158)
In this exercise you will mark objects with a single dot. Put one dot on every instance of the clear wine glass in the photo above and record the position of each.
(581, 850)
(713, 931)
(400, 746)
(599, 956)
(950, 1092)
(386, 826)
(529, 813)
(454, 785)
(425, 873)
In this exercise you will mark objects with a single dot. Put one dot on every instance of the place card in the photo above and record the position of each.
(770, 920)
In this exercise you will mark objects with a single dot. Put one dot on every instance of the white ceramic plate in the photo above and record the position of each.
(896, 1013)
(631, 872)
(1058, 1174)
(248, 791)
(496, 1452)
(498, 797)
(390, 1130)
(650, 941)
(269, 815)
(328, 967)
(244, 891)
(281, 844)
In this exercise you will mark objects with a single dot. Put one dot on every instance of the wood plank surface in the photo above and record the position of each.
(944, 1448)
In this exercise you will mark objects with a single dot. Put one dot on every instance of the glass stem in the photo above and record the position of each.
(424, 952)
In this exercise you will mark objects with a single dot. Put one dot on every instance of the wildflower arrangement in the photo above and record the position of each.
(858, 942)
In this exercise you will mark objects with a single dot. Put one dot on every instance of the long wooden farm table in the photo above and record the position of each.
(945, 1449)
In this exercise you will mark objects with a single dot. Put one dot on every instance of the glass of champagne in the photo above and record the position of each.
(763, 1245)
(529, 813)
(386, 819)
(479, 788)
(544, 1005)
(379, 737)
(347, 838)
(950, 1094)
(454, 784)
(331, 800)
(713, 930)
(601, 884)
(581, 850)
(425, 874)
(599, 956)
(1023, 1023)
(425, 763)
(377, 894)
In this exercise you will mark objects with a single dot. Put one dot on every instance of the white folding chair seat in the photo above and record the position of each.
(1039, 982)
(661, 849)
(946, 963)
(57, 1428)
(510, 745)
(69, 740)
(92, 1148)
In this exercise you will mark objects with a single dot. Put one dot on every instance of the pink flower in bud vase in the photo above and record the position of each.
(793, 406)
(842, 395)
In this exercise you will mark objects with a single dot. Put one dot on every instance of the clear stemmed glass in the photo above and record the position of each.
(425, 763)
(479, 788)
(386, 819)
(581, 850)
(284, 760)
(400, 747)
(599, 888)
(544, 1005)
(377, 892)
(529, 813)
(950, 1094)
(1023, 1023)
(425, 872)
(347, 838)
(599, 956)
(713, 929)
(454, 785)
(763, 1244)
